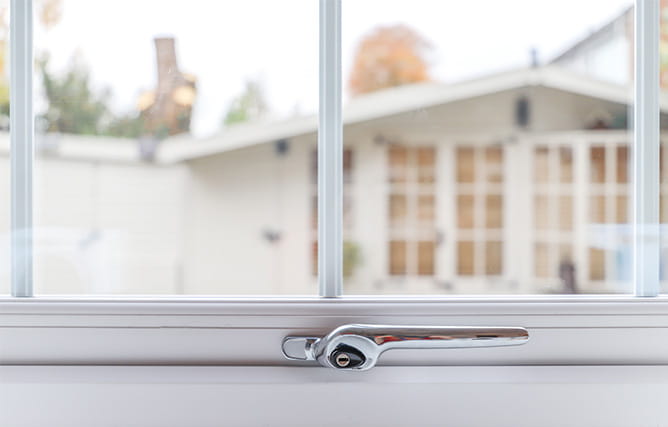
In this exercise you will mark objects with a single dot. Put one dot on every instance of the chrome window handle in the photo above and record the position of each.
(357, 347)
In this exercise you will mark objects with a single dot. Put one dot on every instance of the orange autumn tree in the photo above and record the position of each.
(389, 56)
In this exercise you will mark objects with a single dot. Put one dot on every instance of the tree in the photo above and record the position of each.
(49, 12)
(389, 56)
(249, 105)
(73, 106)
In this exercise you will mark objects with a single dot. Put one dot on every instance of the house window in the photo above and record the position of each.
(608, 210)
(480, 210)
(581, 240)
(553, 209)
(411, 210)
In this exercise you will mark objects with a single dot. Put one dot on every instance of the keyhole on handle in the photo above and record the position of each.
(342, 360)
(345, 356)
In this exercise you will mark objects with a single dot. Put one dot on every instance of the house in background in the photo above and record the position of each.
(442, 183)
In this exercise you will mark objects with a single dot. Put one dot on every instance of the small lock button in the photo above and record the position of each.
(346, 357)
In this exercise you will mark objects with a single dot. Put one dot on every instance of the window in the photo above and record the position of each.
(412, 210)
(519, 183)
(125, 203)
(608, 205)
(561, 253)
(553, 211)
(480, 179)
(480, 195)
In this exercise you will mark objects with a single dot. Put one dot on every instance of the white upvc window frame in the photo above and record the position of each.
(193, 330)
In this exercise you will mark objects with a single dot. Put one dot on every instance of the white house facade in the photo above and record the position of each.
(442, 184)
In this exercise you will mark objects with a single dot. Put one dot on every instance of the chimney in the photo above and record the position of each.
(167, 109)
(168, 71)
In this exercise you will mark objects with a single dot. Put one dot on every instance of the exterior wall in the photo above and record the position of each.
(234, 201)
(369, 209)
(103, 228)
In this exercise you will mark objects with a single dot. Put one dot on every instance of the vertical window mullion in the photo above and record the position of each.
(646, 235)
(22, 146)
(330, 153)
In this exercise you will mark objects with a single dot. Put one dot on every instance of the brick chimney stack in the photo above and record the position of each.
(168, 69)
(167, 109)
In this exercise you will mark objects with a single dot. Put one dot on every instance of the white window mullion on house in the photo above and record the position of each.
(581, 200)
(446, 212)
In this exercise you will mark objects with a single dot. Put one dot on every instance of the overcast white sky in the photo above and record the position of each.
(225, 42)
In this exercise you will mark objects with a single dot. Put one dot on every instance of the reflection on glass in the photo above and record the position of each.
(507, 173)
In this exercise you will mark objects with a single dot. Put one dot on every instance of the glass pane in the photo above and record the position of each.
(598, 165)
(492, 147)
(397, 258)
(426, 258)
(465, 258)
(542, 164)
(622, 209)
(398, 164)
(623, 164)
(542, 212)
(465, 210)
(465, 165)
(176, 147)
(494, 211)
(597, 209)
(596, 264)
(542, 260)
(426, 209)
(494, 164)
(398, 210)
(566, 213)
(493, 258)
(566, 164)
(426, 160)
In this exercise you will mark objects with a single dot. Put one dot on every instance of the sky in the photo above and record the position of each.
(224, 43)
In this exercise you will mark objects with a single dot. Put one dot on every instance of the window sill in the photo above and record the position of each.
(248, 331)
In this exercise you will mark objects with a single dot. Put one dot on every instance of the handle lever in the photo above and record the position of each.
(357, 347)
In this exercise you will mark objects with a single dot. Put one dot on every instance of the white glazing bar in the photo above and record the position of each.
(22, 143)
(646, 150)
(330, 153)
